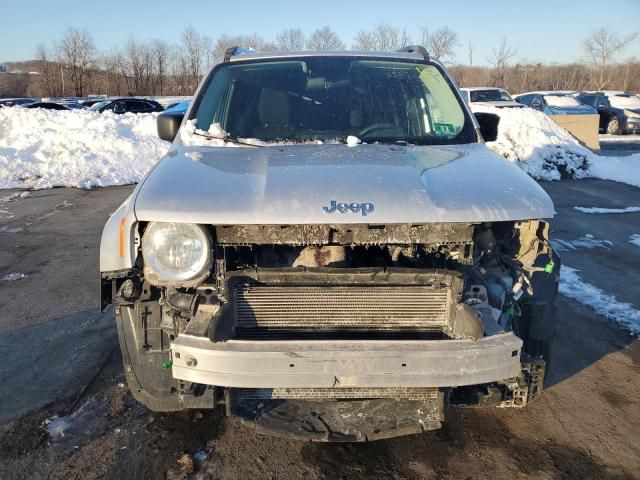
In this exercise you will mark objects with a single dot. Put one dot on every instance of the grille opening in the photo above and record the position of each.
(341, 312)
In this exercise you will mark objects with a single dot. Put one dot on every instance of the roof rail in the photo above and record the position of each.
(415, 49)
(230, 52)
(236, 50)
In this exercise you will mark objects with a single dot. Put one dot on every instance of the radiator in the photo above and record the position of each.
(355, 308)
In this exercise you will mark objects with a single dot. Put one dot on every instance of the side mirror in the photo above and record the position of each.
(488, 126)
(536, 105)
(168, 125)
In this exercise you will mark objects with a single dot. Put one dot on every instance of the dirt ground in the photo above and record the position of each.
(62, 360)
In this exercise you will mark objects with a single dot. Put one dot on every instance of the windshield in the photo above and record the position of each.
(99, 105)
(561, 101)
(625, 101)
(331, 98)
(491, 95)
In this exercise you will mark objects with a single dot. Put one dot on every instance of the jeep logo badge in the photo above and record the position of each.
(363, 208)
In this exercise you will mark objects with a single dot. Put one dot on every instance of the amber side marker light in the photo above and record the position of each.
(122, 237)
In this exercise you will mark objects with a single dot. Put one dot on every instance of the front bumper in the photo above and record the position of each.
(633, 125)
(348, 363)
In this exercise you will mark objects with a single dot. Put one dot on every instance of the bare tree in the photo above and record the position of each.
(254, 41)
(160, 51)
(76, 52)
(195, 49)
(602, 48)
(325, 39)
(364, 40)
(440, 43)
(383, 37)
(48, 71)
(112, 78)
(290, 39)
(500, 60)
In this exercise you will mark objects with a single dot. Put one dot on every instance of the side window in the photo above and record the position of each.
(134, 106)
(602, 102)
(524, 99)
(587, 99)
(537, 102)
(145, 107)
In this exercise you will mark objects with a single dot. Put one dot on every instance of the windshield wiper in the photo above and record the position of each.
(227, 138)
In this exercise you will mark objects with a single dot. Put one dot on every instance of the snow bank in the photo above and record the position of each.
(607, 210)
(619, 169)
(538, 145)
(546, 151)
(587, 241)
(80, 148)
(572, 286)
(77, 148)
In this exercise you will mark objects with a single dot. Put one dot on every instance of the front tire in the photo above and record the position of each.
(613, 127)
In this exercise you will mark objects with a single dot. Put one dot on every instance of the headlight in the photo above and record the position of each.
(176, 252)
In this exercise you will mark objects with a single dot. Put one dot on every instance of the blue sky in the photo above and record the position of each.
(542, 30)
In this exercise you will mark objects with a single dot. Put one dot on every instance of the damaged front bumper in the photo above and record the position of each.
(318, 390)
(346, 363)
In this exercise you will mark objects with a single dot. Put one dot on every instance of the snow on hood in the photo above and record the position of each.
(496, 103)
(292, 184)
(561, 101)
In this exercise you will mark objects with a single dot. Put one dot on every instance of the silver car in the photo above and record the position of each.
(330, 251)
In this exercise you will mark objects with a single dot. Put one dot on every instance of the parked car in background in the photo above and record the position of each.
(90, 102)
(46, 106)
(178, 107)
(127, 105)
(619, 111)
(491, 96)
(14, 102)
(555, 103)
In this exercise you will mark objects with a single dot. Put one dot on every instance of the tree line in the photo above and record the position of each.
(72, 65)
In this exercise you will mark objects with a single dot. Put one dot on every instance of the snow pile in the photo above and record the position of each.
(572, 286)
(588, 242)
(12, 277)
(538, 145)
(619, 169)
(546, 151)
(607, 210)
(78, 148)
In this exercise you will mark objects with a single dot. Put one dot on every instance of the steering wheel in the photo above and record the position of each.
(380, 126)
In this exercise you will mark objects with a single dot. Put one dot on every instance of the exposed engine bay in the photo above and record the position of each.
(440, 282)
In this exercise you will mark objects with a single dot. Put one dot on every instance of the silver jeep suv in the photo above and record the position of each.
(330, 251)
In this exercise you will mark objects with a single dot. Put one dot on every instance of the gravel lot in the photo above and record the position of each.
(61, 358)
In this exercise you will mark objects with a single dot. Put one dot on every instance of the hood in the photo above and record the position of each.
(498, 104)
(291, 185)
(577, 110)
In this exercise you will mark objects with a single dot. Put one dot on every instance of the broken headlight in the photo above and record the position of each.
(176, 252)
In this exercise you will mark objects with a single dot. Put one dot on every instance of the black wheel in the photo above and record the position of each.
(613, 127)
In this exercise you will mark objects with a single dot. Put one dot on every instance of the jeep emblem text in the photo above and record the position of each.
(363, 208)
